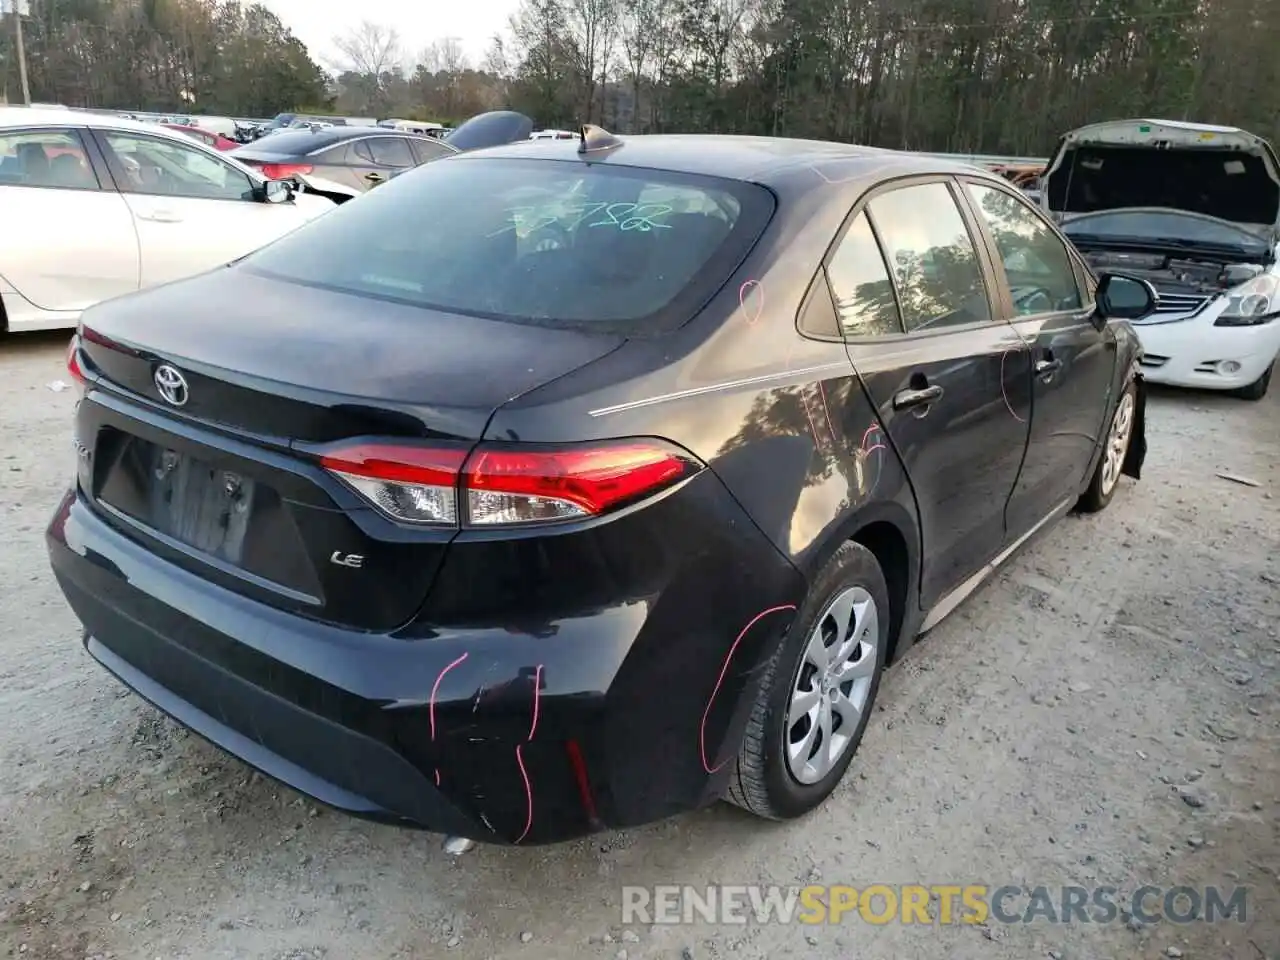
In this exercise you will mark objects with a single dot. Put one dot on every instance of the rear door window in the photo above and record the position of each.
(537, 241)
(933, 258)
(390, 151)
(45, 158)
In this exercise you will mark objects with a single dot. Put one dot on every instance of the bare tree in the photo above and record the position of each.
(496, 59)
(370, 49)
(593, 28)
(639, 26)
(444, 56)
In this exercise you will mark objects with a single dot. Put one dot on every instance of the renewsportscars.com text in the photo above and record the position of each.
(930, 904)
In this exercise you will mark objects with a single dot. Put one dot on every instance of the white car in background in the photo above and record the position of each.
(100, 206)
(1195, 210)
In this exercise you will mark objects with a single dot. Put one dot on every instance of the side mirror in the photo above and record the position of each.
(277, 191)
(1122, 297)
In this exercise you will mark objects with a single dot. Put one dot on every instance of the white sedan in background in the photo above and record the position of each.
(1195, 210)
(100, 206)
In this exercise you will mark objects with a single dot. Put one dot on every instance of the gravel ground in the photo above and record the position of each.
(1103, 712)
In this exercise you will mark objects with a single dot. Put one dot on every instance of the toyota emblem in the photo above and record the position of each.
(172, 385)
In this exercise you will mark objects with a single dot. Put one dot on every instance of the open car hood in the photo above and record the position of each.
(492, 129)
(1222, 172)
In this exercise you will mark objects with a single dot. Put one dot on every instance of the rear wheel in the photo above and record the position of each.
(817, 691)
(1106, 477)
(1258, 389)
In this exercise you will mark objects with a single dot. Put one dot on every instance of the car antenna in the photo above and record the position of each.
(597, 140)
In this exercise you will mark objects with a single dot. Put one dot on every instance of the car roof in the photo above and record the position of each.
(771, 161)
(294, 140)
(14, 117)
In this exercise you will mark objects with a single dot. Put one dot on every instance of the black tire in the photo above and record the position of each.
(1258, 389)
(1095, 498)
(762, 782)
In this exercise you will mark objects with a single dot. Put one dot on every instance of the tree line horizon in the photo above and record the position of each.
(1003, 77)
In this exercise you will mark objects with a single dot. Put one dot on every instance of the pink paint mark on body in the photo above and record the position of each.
(524, 774)
(528, 793)
(537, 696)
(702, 728)
(435, 688)
(431, 704)
(751, 315)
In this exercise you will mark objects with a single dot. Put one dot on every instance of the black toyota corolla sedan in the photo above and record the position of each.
(570, 485)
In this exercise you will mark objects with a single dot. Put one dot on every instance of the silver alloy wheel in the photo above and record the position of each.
(831, 686)
(1117, 443)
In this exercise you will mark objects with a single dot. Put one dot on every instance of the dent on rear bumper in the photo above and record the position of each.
(507, 733)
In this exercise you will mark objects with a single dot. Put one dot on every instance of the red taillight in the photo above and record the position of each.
(501, 485)
(73, 362)
(283, 171)
(511, 485)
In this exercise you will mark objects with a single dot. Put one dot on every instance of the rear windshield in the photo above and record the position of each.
(534, 241)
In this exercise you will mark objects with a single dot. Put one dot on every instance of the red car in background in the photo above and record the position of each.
(215, 140)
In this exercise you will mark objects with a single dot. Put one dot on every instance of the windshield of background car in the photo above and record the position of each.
(1161, 225)
(535, 241)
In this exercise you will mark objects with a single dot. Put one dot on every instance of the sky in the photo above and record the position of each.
(419, 22)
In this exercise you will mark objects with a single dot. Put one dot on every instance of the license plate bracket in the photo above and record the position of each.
(182, 498)
(198, 504)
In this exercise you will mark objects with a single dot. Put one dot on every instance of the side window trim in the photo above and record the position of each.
(121, 178)
(78, 135)
(999, 292)
(893, 280)
(997, 261)
(98, 160)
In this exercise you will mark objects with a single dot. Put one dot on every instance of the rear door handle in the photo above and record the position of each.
(1046, 367)
(906, 399)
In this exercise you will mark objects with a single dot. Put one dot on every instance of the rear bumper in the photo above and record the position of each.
(504, 734)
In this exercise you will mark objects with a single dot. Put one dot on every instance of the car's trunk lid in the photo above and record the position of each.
(288, 360)
(227, 483)
(1223, 172)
